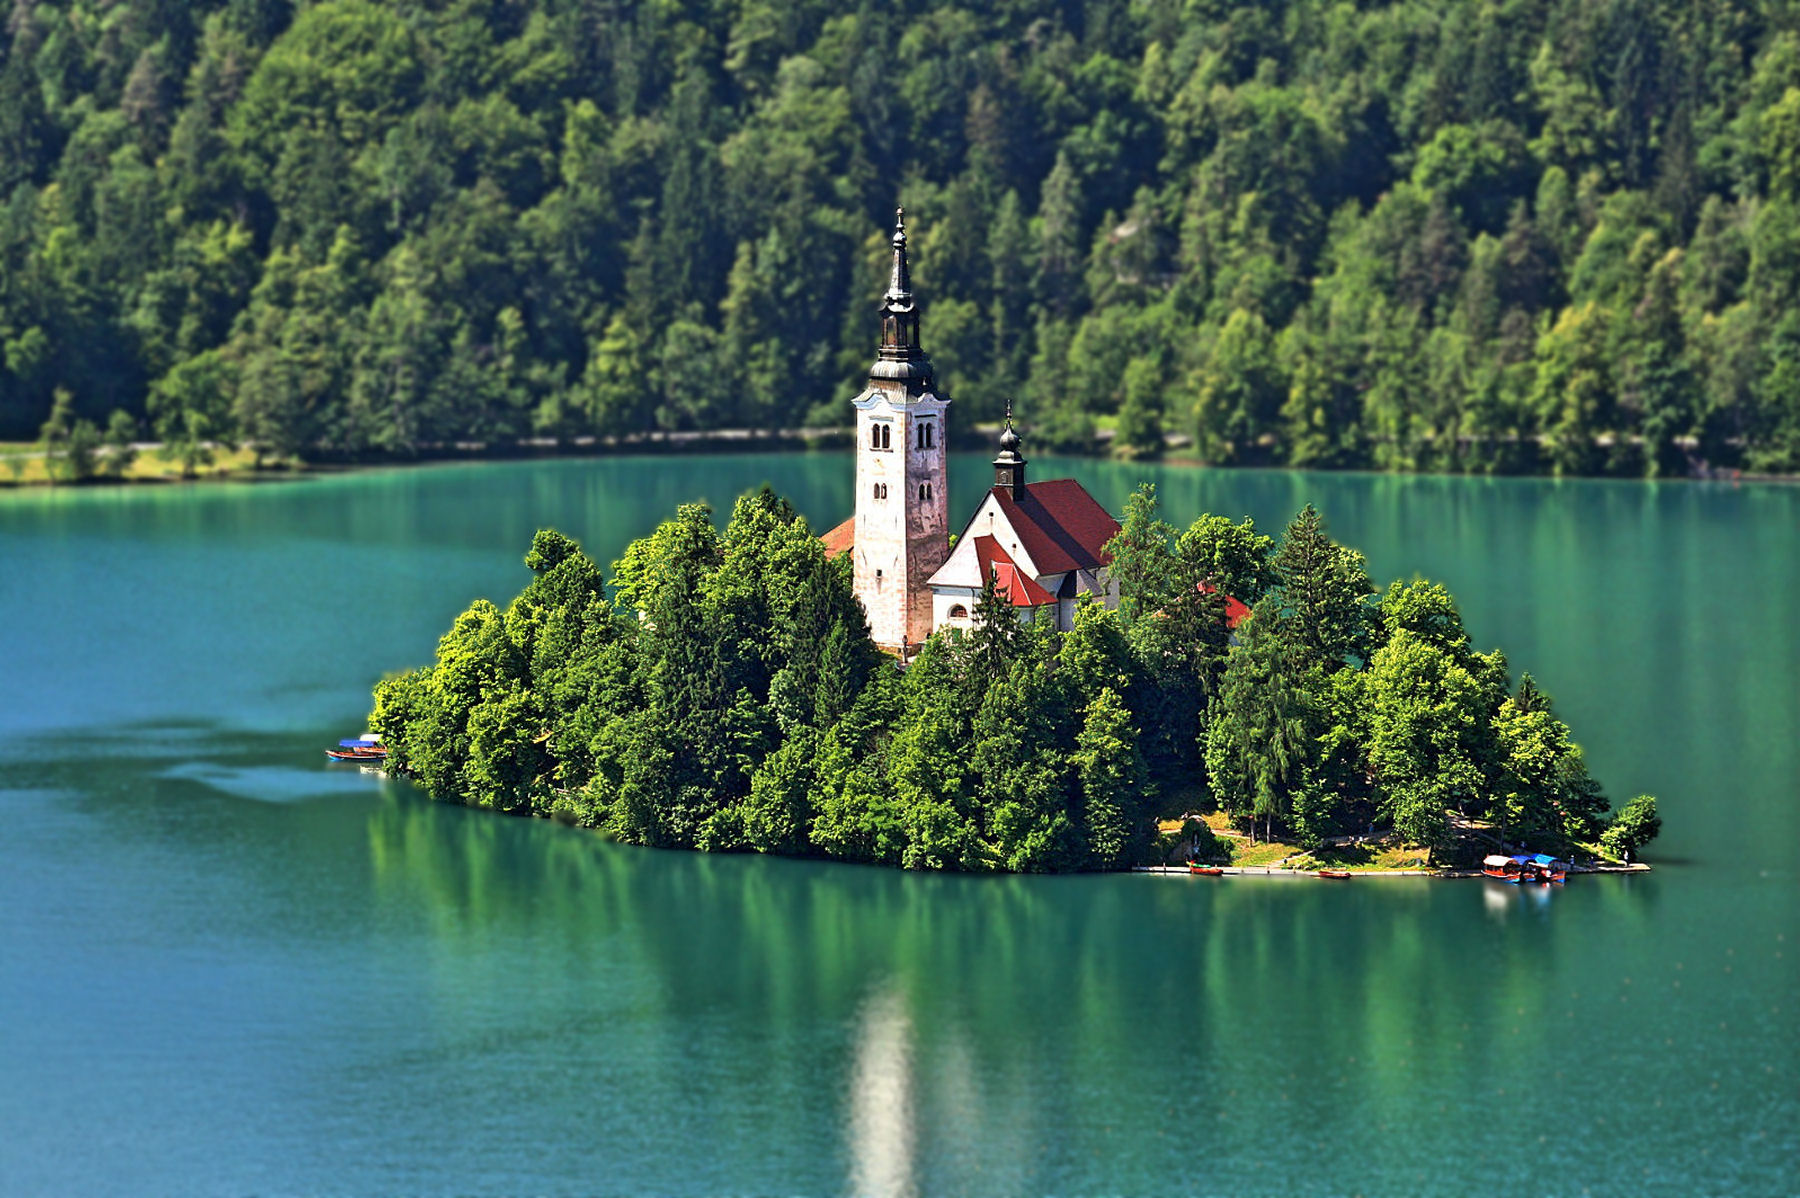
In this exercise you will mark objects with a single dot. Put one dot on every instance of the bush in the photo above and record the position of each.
(1203, 845)
(1633, 828)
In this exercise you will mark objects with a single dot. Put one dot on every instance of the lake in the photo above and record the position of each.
(228, 968)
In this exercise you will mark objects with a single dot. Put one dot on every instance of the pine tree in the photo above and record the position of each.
(1258, 743)
(1114, 785)
(1323, 588)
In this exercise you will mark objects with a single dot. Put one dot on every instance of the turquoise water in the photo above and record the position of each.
(228, 968)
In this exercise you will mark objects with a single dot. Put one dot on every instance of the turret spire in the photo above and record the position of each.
(1009, 467)
(900, 362)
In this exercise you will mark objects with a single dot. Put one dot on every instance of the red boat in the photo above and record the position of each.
(1507, 869)
(1205, 871)
(1336, 875)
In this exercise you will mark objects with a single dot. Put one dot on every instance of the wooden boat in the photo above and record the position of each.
(1336, 875)
(366, 749)
(1539, 867)
(1548, 870)
(1205, 871)
(1507, 869)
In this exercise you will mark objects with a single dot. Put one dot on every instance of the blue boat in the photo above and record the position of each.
(1526, 867)
(1548, 869)
(366, 749)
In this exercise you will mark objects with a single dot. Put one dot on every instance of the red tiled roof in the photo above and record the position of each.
(840, 538)
(1235, 612)
(1060, 526)
(1020, 588)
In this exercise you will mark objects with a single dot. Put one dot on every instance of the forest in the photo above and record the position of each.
(1468, 235)
(719, 691)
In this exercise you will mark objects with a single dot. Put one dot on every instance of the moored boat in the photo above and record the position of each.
(1526, 867)
(1548, 869)
(1336, 875)
(365, 749)
(1205, 871)
(1507, 869)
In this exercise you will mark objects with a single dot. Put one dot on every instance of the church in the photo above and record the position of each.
(1043, 544)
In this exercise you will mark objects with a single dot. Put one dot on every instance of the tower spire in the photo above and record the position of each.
(900, 362)
(900, 281)
(1009, 467)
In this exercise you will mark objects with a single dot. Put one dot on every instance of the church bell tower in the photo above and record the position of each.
(902, 499)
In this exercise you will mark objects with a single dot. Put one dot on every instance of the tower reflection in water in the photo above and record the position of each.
(881, 1129)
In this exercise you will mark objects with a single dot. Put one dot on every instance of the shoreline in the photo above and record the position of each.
(1181, 871)
(782, 440)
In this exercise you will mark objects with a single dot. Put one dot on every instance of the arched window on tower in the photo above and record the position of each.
(874, 436)
(957, 612)
(928, 435)
(886, 432)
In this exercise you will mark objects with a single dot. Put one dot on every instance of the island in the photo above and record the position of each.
(1050, 689)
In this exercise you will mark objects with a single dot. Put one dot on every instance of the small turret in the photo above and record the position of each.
(1009, 467)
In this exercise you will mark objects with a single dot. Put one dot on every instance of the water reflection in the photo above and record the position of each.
(880, 1123)
(984, 1028)
(1500, 899)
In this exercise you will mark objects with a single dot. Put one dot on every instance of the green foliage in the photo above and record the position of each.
(720, 692)
(70, 444)
(1430, 736)
(1202, 843)
(1113, 782)
(1633, 828)
(121, 433)
(1452, 235)
(1323, 588)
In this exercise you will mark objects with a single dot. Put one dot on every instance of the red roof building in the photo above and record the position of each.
(1043, 543)
(840, 539)
(1019, 588)
(1235, 613)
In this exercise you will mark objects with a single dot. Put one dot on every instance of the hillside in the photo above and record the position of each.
(1460, 235)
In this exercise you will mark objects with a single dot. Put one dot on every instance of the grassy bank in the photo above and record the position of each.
(23, 464)
(1380, 853)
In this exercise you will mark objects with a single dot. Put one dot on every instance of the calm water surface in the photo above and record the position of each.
(227, 968)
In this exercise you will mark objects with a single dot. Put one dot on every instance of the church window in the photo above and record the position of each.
(929, 435)
(924, 490)
(886, 432)
(957, 612)
(874, 436)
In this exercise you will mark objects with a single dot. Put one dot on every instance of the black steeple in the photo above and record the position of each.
(1009, 467)
(900, 360)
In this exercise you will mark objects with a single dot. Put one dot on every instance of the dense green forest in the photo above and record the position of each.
(720, 692)
(1426, 234)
